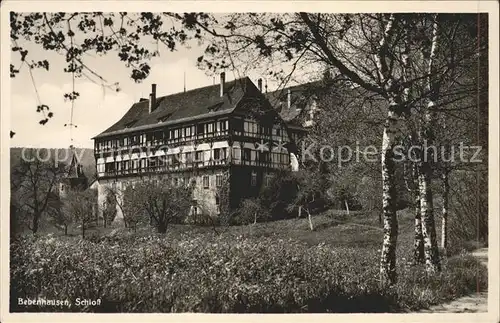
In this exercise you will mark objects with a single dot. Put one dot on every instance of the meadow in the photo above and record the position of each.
(273, 267)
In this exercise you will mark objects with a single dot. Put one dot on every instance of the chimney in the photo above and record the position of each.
(259, 82)
(222, 83)
(152, 98)
(289, 98)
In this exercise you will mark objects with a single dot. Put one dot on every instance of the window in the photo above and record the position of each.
(210, 127)
(246, 153)
(199, 155)
(268, 180)
(188, 132)
(218, 180)
(253, 180)
(206, 182)
(278, 132)
(217, 199)
(236, 153)
(217, 154)
(200, 129)
(158, 137)
(223, 125)
(264, 156)
(237, 125)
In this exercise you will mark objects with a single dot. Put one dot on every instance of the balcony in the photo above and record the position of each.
(188, 140)
(171, 168)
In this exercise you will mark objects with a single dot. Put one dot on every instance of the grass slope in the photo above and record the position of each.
(279, 266)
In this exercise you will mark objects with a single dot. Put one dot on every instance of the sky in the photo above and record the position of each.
(95, 110)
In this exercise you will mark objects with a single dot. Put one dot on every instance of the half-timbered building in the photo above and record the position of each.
(224, 134)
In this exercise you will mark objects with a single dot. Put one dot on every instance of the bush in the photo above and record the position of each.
(225, 273)
(279, 194)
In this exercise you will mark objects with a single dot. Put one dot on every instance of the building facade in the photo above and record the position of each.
(227, 134)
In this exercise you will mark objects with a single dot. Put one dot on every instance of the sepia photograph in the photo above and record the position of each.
(249, 161)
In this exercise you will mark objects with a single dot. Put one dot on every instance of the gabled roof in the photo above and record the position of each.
(300, 95)
(181, 107)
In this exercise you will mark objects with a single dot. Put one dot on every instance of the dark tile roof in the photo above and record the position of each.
(300, 95)
(181, 107)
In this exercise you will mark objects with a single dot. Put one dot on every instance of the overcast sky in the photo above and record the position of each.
(95, 109)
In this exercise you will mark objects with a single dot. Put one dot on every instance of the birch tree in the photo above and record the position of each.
(426, 135)
(372, 51)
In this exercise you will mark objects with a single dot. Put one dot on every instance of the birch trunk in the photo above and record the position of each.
(428, 226)
(431, 252)
(311, 225)
(444, 219)
(346, 206)
(388, 256)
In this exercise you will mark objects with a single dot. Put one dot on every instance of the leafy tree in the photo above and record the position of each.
(39, 175)
(109, 208)
(133, 213)
(251, 211)
(310, 193)
(163, 201)
(81, 205)
(61, 217)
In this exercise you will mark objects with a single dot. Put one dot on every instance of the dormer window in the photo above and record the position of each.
(130, 124)
(164, 117)
(215, 107)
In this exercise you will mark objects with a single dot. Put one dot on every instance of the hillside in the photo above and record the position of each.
(86, 156)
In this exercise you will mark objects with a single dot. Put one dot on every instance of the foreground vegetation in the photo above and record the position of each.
(268, 267)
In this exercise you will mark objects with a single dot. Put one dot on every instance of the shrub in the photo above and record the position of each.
(279, 194)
